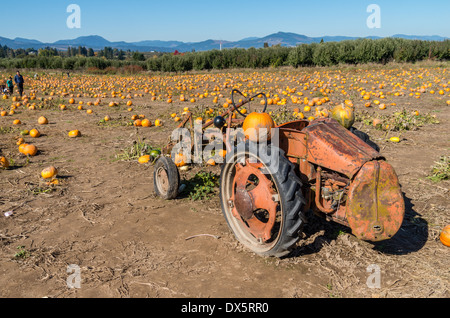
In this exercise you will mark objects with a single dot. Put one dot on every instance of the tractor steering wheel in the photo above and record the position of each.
(234, 104)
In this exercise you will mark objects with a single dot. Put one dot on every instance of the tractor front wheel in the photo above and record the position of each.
(262, 200)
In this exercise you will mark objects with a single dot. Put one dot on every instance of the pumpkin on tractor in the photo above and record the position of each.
(277, 173)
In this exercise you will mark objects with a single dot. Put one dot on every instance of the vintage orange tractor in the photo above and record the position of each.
(267, 188)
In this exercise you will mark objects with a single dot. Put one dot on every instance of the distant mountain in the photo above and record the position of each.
(288, 39)
(168, 44)
(423, 38)
(26, 41)
(203, 46)
(93, 41)
(249, 38)
(8, 42)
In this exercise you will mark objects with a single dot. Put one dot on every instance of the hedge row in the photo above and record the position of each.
(359, 51)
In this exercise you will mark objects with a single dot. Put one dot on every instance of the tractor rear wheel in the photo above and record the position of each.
(262, 201)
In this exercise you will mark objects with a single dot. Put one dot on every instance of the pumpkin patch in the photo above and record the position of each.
(104, 179)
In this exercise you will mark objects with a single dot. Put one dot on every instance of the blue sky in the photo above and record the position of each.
(198, 20)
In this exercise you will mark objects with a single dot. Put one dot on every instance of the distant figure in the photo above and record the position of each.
(19, 81)
(10, 85)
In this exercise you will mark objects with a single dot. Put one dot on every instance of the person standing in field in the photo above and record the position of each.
(10, 85)
(19, 82)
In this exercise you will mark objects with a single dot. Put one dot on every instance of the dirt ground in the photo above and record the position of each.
(104, 217)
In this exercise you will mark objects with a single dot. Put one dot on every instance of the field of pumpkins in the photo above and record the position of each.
(76, 184)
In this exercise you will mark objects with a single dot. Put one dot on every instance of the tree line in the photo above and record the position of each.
(360, 51)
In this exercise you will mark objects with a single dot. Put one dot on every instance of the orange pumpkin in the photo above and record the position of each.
(4, 163)
(20, 141)
(256, 121)
(30, 150)
(146, 123)
(74, 134)
(445, 236)
(144, 159)
(34, 133)
(42, 121)
(22, 147)
(180, 160)
(344, 114)
(49, 173)
(377, 122)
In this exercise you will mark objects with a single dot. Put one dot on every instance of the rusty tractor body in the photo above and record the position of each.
(350, 182)
(323, 167)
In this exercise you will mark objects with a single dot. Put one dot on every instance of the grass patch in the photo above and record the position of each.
(6, 130)
(399, 121)
(52, 104)
(44, 187)
(441, 170)
(114, 123)
(14, 165)
(203, 186)
(41, 190)
(22, 253)
(283, 115)
(138, 149)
